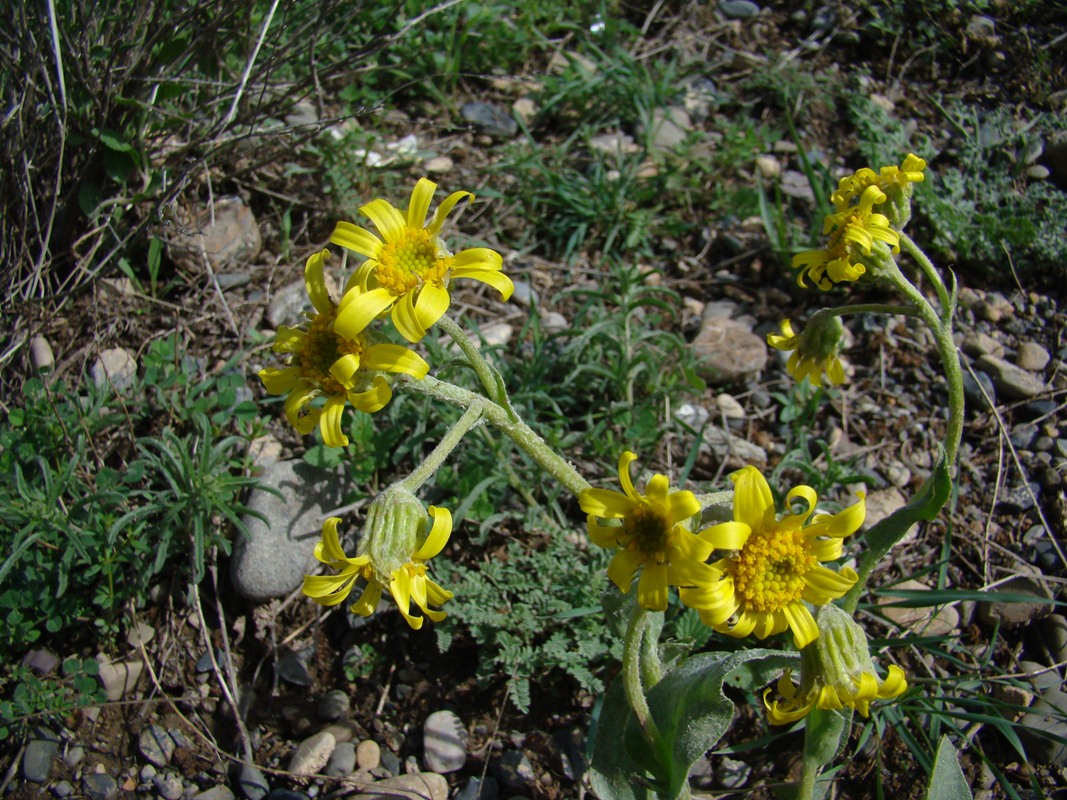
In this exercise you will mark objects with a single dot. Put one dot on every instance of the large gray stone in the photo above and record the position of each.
(727, 351)
(1011, 381)
(272, 559)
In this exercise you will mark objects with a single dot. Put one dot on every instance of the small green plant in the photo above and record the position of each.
(38, 700)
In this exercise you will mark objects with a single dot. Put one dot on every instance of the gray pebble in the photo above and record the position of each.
(41, 661)
(41, 750)
(974, 395)
(514, 771)
(1011, 381)
(63, 789)
(99, 786)
(155, 745)
(169, 786)
(444, 741)
(738, 9)
(74, 756)
(216, 793)
(523, 294)
(1045, 716)
(342, 760)
(251, 783)
(490, 119)
(333, 705)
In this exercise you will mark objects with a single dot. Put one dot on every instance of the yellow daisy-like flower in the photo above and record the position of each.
(836, 671)
(772, 567)
(323, 363)
(808, 359)
(853, 234)
(407, 581)
(888, 179)
(408, 270)
(652, 536)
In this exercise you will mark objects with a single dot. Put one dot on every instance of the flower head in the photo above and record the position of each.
(408, 270)
(891, 180)
(858, 237)
(393, 552)
(323, 363)
(836, 671)
(814, 352)
(652, 536)
(772, 565)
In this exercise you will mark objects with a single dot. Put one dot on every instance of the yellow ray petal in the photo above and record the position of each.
(386, 218)
(359, 309)
(357, 239)
(315, 282)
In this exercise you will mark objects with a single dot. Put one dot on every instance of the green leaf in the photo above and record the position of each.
(113, 140)
(947, 781)
(692, 713)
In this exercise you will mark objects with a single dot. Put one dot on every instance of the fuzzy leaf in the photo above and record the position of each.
(947, 781)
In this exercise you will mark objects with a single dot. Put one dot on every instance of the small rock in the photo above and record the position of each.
(980, 344)
(490, 119)
(1012, 613)
(495, 334)
(342, 760)
(477, 790)
(880, 503)
(738, 9)
(41, 356)
(731, 773)
(368, 755)
(251, 783)
(444, 741)
(1055, 632)
(215, 793)
(63, 789)
(41, 661)
(554, 322)
(924, 620)
(768, 166)
(726, 350)
(333, 705)
(288, 305)
(1032, 357)
(1011, 381)
(1045, 716)
(422, 785)
(312, 754)
(115, 365)
(524, 109)
(169, 786)
(733, 450)
(272, 559)
(729, 407)
(227, 233)
(100, 786)
(514, 771)
(293, 668)
(1038, 172)
(439, 165)
(614, 143)
(74, 756)
(796, 184)
(669, 127)
(41, 750)
(982, 29)
(523, 295)
(118, 679)
(976, 389)
(140, 634)
(264, 451)
(155, 745)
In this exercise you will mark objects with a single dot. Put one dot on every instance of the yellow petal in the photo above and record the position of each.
(405, 319)
(346, 369)
(395, 358)
(681, 506)
(823, 585)
(329, 590)
(315, 282)
(359, 309)
(279, 381)
(419, 204)
(295, 404)
(477, 259)
(438, 535)
(373, 399)
(802, 623)
(445, 209)
(602, 535)
(727, 535)
(625, 460)
(386, 218)
(844, 523)
(498, 280)
(357, 239)
(368, 600)
(330, 422)
(605, 503)
(652, 587)
(753, 501)
(622, 568)
(431, 305)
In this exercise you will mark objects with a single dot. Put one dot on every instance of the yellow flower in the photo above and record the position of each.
(772, 567)
(391, 556)
(812, 359)
(888, 179)
(854, 233)
(652, 536)
(408, 270)
(836, 671)
(323, 363)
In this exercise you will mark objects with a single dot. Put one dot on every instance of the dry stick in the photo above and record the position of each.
(248, 69)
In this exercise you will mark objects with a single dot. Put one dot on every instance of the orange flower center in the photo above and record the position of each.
(646, 529)
(322, 347)
(411, 260)
(769, 572)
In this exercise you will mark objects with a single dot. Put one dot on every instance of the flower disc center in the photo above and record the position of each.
(409, 260)
(769, 572)
(646, 528)
(322, 348)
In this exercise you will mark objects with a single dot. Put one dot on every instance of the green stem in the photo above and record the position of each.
(487, 376)
(927, 266)
(809, 773)
(632, 685)
(507, 423)
(424, 471)
(941, 328)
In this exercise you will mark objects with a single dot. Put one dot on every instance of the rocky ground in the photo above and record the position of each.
(242, 690)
